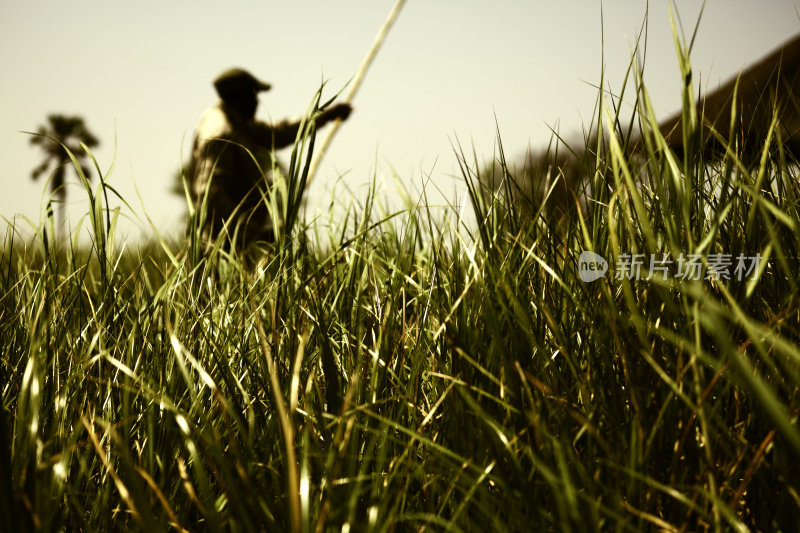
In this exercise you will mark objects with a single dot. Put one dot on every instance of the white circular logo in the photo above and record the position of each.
(591, 266)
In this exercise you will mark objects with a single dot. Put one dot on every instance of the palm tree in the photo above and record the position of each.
(62, 133)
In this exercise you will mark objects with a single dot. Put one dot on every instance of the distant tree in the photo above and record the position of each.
(62, 131)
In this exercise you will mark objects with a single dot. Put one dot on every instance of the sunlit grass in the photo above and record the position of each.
(411, 371)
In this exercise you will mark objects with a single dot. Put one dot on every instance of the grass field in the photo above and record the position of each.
(416, 372)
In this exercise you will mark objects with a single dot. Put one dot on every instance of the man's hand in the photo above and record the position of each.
(339, 111)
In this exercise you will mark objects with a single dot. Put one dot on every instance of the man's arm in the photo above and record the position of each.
(284, 133)
(337, 112)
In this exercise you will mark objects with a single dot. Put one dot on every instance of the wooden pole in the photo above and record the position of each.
(356, 84)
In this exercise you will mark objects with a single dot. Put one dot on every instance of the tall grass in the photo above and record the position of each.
(394, 374)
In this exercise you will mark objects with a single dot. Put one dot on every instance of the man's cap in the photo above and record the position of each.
(237, 81)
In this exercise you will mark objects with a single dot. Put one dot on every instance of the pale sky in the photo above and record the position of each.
(141, 73)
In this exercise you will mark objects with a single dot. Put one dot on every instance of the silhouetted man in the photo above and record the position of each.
(232, 157)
